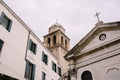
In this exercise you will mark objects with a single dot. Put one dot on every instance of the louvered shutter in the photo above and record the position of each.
(33, 72)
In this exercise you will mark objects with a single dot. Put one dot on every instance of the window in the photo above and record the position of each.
(53, 66)
(44, 58)
(5, 21)
(66, 44)
(54, 39)
(49, 42)
(86, 75)
(43, 75)
(62, 40)
(30, 71)
(32, 46)
(59, 71)
(1, 44)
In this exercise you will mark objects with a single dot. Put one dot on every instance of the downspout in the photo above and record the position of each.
(27, 45)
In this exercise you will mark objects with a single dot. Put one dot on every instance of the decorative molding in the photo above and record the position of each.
(112, 69)
(99, 47)
(98, 58)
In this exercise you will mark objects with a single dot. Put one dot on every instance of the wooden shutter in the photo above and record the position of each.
(43, 76)
(33, 72)
(27, 69)
(1, 43)
(30, 44)
(42, 56)
(10, 25)
(35, 50)
(46, 59)
(1, 18)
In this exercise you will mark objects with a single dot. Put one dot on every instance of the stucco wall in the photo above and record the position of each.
(12, 56)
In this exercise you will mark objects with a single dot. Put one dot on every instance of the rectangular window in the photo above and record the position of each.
(44, 58)
(32, 46)
(30, 71)
(5, 21)
(59, 71)
(43, 76)
(1, 44)
(53, 66)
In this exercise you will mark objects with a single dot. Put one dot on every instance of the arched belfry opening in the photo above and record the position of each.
(66, 44)
(86, 75)
(49, 42)
(54, 39)
(62, 41)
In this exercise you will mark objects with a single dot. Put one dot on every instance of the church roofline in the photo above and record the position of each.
(55, 32)
(97, 29)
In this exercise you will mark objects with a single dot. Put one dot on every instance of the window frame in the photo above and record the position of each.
(9, 22)
(32, 46)
(30, 70)
(54, 67)
(43, 75)
(1, 45)
(59, 71)
(44, 58)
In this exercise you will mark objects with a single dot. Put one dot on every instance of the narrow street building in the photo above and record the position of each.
(23, 55)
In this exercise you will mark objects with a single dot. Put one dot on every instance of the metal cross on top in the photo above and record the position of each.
(97, 15)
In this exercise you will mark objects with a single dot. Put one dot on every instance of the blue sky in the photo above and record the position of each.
(76, 16)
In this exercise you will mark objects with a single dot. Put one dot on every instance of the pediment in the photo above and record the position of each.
(109, 33)
(101, 39)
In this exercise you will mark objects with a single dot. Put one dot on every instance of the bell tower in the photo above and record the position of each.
(58, 43)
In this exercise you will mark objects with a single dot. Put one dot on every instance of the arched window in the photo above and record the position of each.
(86, 75)
(65, 43)
(62, 40)
(48, 41)
(54, 39)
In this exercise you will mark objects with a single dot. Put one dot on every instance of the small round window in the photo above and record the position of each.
(102, 37)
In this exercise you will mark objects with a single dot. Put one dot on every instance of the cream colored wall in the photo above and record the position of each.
(40, 66)
(12, 57)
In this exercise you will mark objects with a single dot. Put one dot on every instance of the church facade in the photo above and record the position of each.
(97, 55)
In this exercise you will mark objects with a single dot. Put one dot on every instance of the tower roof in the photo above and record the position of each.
(56, 27)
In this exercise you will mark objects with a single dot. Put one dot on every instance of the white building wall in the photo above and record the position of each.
(12, 56)
(104, 64)
(40, 65)
(101, 70)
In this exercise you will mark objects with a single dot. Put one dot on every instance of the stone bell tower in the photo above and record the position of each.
(58, 43)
